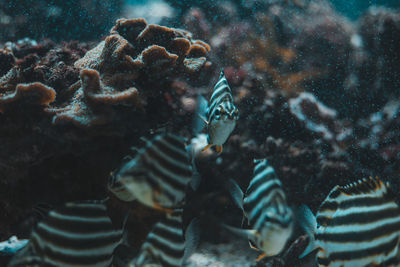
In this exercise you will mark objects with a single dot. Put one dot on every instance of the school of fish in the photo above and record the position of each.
(356, 225)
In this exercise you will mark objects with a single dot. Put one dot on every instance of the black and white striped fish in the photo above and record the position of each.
(167, 245)
(270, 219)
(358, 225)
(221, 114)
(77, 234)
(157, 176)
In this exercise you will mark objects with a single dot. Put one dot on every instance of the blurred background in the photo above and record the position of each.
(90, 19)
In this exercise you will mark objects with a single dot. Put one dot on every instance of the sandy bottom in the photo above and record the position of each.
(233, 254)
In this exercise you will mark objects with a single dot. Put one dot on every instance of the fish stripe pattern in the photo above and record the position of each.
(78, 234)
(222, 94)
(264, 191)
(269, 217)
(167, 164)
(165, 244)
(163, 165)
(359, 225)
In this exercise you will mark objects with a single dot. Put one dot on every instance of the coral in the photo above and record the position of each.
(101, 101)
(376, 65)
(255, 46)
(133, 63)
(139, 49)
(315, 116)
(91, 101)
(30, 94)
(302, 76)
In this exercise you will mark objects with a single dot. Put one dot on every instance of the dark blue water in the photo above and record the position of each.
(354, 8)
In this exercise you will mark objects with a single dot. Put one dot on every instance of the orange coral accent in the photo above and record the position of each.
(37, 93)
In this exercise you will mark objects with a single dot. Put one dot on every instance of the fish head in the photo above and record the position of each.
(128, 180)
(223, 123)
(226, 111)
(117, 188)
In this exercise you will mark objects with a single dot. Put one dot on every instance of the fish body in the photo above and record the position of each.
(221, 114)
(270, 220)
(77, 234)
(266, 210)
(157, 176)
(358, 225)
(166, 244)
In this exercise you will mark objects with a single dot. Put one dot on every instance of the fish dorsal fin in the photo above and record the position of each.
(341, 197)
(365, 186)
(222, 74)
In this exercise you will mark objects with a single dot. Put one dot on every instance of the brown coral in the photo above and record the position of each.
(89, 103)
(137, 49)
(143, 58)
(32, 94)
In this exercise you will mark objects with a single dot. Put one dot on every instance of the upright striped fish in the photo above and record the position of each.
(270, 219)
(221, 114)
(267, 211)
(157, 176)
(77, 234)
(167, 245)
(359, 225)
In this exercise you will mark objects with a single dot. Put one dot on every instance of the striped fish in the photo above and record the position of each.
(157, 176)
(270, 219)
(359, 225)
(266, 210)
(221, 115)
(77, 234)
(167, 245)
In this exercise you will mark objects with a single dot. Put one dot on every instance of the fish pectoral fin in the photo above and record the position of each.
(252, 246)
(206, 147)
(245, 233)
(203, 118)
(236, 193)
(262, 256)
(218, 149)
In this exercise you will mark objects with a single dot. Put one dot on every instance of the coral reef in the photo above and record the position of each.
(136, 59)
(30, 94)
(64, 106)
(302, 76)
